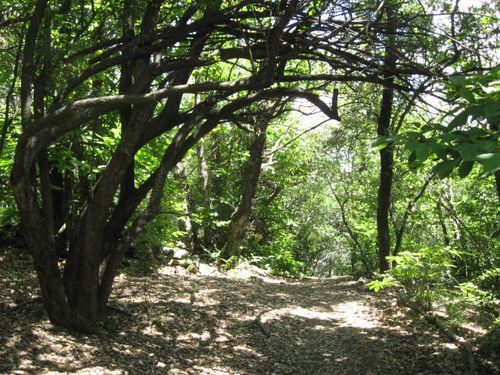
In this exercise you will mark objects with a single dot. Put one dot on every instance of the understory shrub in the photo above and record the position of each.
(426, 279)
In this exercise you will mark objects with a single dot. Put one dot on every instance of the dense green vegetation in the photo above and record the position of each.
(307, 138)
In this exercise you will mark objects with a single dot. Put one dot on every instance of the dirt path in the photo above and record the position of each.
(192, 324)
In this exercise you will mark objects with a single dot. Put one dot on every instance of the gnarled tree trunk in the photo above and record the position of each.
(240, 217)
(76, 291)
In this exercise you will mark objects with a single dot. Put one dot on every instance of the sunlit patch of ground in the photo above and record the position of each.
(175, 322)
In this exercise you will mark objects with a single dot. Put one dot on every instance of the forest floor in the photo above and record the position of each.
(174, 322)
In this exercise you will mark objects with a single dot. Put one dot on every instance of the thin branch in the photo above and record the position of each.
(8, 119)
(275, 150)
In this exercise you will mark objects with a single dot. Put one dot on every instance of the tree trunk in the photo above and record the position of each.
(386, 154)
(402, 228)
(442, 224)
(206, 187)
(186, 223)
(42, 249)
(383, 204)
(352, 234)
(495, 127)
(241, 215)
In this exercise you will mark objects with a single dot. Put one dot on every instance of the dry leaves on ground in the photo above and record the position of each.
(174, 322)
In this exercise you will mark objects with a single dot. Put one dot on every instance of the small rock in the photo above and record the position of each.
(161, 365)
(180, 254)
(362, 281)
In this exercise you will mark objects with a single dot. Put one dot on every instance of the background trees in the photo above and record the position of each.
(119, 114)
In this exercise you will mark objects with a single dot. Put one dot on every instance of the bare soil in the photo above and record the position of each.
(174, 322)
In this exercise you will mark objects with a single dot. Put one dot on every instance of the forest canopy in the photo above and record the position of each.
(307, 137)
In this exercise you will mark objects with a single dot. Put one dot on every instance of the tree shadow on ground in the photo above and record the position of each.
(215, 325)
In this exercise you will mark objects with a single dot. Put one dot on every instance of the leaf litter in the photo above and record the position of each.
(176, 322)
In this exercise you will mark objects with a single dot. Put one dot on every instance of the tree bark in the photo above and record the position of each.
(401, 230)
(495, 127)
(206, 188)
(386, 154)
(384, 189)
(241, 215)
(186, 223)
(442, 224)
(28, 67)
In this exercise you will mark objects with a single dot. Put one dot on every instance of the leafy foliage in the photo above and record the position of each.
(471, 135)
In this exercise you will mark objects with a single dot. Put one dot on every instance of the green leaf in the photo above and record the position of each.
(439, 150)
(444, 168)
(492, 112)
(454, 136)
(466, 94)
(383, 142)
(465, 168)
(457, 80)
(490, 162)
(422, 152)
(459, 120)
(412, 135)
(412, 158)
(486, 145)
(484, 157)
(469, 151)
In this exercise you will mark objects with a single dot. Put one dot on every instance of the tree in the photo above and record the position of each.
(98, 234)
(250, 182)
(146, 71)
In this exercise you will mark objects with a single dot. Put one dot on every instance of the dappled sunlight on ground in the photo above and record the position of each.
(355, 314)
(178, 323)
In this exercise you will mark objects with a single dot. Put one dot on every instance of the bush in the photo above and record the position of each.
(278, 256)
(285, 265)
(424, 276)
